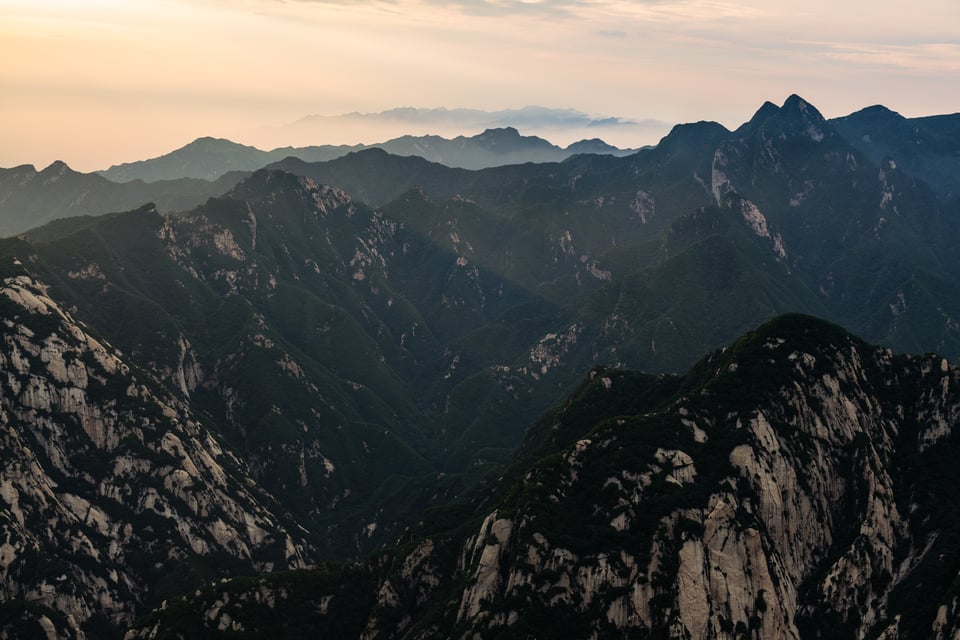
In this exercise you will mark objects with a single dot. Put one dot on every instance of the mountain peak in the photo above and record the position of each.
(693, 135)
(804, 119)
(506, 140)
(592, 145)
(56, 170)
(800, 326)
(796, 118)
(879, 110)
(766, 111)
(57, 166)
(792, 100)
(209, 143)
(267, 185)
(796, 103)
(263, 181)
(876, 115)
(500, 132)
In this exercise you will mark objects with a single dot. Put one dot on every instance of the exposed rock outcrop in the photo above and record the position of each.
(784, 505)
(109, 485)
(794, 488)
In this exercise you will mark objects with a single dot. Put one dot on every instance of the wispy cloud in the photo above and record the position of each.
(934, 57)
(530, 116)
(659, 10)
(558, 125)
(511, 7)
(475, 7)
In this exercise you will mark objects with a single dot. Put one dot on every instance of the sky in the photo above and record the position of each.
(100, 82)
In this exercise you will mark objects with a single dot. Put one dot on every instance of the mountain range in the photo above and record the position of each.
(211, 158)
(208, 167)
(335, 356)
(31, 198)
(924, 147)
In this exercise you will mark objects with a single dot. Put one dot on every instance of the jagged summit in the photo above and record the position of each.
(282, 193)
(766, 108)
(766, 111)
(57, 166)
(508, 141)
(794, 331)
(264, 181)
(797, 105)
(795, 118)
(499, 132)
(794, 101)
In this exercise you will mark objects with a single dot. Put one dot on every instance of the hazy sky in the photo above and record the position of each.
(98, 82)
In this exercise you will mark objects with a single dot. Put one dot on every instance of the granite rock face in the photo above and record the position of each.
(109, 485)
(798, 485)
(797, 506)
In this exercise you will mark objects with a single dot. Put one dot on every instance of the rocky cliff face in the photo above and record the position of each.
(112, 492)
(799, 485)
(781, 496)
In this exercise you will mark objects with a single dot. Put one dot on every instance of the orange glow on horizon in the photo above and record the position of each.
(98, 82)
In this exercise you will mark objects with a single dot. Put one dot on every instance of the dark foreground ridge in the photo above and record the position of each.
(790, 485)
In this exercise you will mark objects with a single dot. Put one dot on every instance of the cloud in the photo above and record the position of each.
(473, 7)
(561, 126)
(513, 7)
(530, 116)
(542, 8)
(919, 58)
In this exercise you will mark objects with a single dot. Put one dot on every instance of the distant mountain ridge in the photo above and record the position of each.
(209, 158)
(925, 147)
(31, 198)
